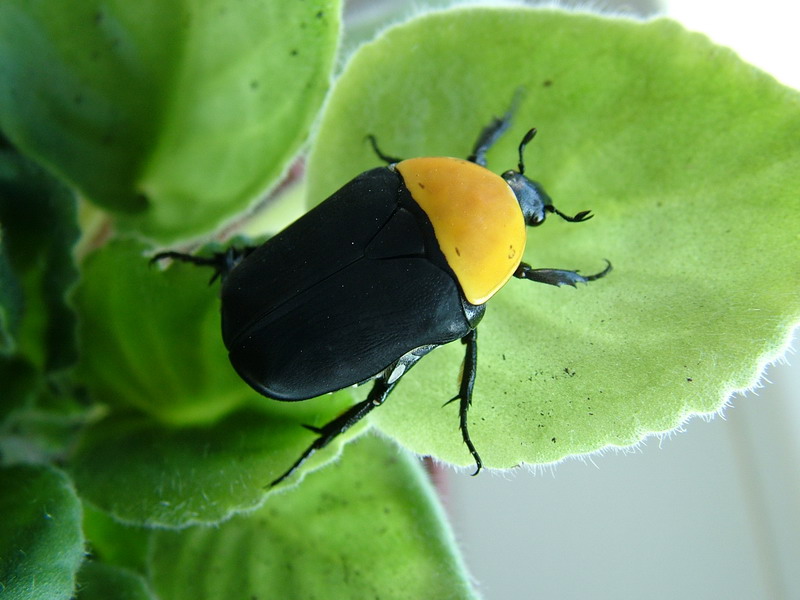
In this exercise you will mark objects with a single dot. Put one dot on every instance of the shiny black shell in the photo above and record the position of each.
(342, 293)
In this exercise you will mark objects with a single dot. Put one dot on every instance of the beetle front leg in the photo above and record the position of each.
(557, 277)
(465, 393)
(492, 132)
(328, 432)
(389, 160)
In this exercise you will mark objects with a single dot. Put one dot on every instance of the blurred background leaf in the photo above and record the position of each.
(175, 116)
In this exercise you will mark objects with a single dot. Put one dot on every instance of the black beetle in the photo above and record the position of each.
(400, 260)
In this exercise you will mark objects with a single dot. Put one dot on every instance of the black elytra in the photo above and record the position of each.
(359, 289)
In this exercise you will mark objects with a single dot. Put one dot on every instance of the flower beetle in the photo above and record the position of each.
(400, 260)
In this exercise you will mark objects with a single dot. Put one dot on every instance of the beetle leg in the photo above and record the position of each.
(380, 390)
(465, 392)
(557, 277)
(221, 262)
(490, 134)
(389, 160)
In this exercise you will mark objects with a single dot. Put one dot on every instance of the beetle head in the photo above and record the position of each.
(533, 200)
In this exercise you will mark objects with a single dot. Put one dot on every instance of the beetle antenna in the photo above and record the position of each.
(528, 137)
(584, 215)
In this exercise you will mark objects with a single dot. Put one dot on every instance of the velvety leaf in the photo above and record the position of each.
(20, 382)
(114, 543)
(98, 581)
(150, 339)
(369, 527)
(39, 229)
(144, 473)
(33, 434)
(687, 156)
(41, 544)
(10, 303)
(176, 114)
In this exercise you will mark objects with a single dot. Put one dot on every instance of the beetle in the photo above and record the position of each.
(400, 260)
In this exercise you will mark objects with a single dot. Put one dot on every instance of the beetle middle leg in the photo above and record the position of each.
(558, 277)
(465, 393)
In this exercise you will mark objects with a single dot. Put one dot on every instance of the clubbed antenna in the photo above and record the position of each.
(528, 137)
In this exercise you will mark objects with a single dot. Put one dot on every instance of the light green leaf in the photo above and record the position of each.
(114, 543)
(369, 527)
(178, 114)
(687, 156)
(148, 474)
(151, 339)
(41, 545)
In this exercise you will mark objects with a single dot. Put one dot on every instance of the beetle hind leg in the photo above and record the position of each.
(221, 262)
(328, 432)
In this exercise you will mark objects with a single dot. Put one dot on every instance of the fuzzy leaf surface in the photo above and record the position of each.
(368, 527)
(687, 156)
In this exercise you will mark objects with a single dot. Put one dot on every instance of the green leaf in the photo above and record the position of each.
(148, 474)
(20, 384)
(10, 302)
(35, 435)
(150, 339)
(369, 527)
(39, 230)
(687, 156)
(178, 114)
(41, 545)
(114, 543)
(99, 581)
